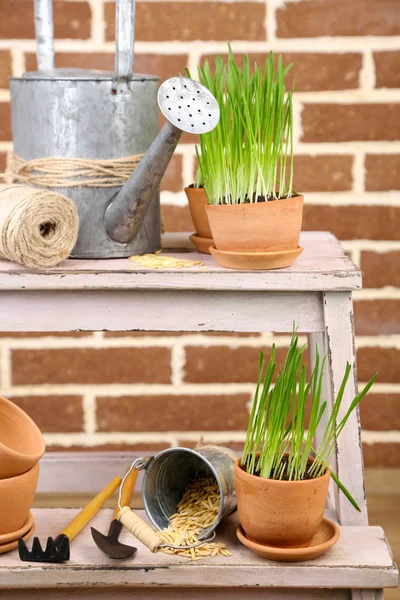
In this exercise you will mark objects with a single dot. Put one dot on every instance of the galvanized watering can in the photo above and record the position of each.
(102, 115)
(166, 476)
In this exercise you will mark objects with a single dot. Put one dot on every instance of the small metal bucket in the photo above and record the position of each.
(168, 473)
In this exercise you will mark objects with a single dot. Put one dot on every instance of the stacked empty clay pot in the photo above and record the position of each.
(21, 447)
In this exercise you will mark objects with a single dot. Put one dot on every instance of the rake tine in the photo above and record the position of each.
(49, 546)
(61, 546)
(23, 550)
(37, 551)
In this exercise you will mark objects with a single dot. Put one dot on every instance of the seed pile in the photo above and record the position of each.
(197, 510)
(156, 261)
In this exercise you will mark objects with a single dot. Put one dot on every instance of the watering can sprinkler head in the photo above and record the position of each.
(188, 106)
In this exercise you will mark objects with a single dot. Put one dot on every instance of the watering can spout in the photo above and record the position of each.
(188, 106)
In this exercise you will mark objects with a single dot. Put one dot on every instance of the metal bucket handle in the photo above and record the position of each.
(124, 40)
(139, 528)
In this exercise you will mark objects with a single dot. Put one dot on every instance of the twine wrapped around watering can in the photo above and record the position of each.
(38, 228)
(66, 172)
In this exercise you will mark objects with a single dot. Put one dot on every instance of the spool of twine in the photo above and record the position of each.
(38, 228)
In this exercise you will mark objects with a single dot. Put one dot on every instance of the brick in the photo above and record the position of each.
(184, 21)
(164, 66)
(173, 413)
(327, 173)
(354, 222)
(221, 364)
(312, 72)
(380, 412)
(382, 172)
(387, 69)
(377, 317)
(53, 414)
(380, 269)
(71, 19)
(385, 361)
(5, 67)
(318, 18)
(382, 455)
(176, 218)
(350, 122)
(172, 180)
(5, 122)
(87, 365)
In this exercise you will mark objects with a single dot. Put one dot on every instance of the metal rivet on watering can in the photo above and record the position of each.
(180, 100)
(168, 473)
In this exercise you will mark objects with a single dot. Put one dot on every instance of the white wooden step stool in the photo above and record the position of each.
(117, 295)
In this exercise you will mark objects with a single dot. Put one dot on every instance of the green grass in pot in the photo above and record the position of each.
(248, 157)
(278, 445)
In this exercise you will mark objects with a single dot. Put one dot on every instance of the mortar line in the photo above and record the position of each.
(367, 73)
(318, 148)
(67, 439)
(89, 414)
(369, 294)
(178, 360)
(18, 66)
(359, 172)
(323, 45)
(373, 245)
(5, 366)
(172, 343)
(391, 198)
(98, 25)
(270, 21)
(188, 168)
(115, 390)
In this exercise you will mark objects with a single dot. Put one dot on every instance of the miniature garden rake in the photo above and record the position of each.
(58, 549)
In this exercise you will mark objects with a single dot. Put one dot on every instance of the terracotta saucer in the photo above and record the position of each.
(326, 537)
(255, 261)
(202, 244)
(12, 545)
(14, 535)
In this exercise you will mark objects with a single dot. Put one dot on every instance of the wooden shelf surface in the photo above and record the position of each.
(361, 558)
(323, 266)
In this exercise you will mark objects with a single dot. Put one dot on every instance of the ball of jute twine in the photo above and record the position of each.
(38, 228)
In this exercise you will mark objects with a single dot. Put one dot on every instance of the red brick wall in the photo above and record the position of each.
(135, 391)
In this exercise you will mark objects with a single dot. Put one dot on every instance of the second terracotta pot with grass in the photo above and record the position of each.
(198, 201)
(280, 513)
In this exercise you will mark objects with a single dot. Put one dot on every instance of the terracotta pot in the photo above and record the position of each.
(198, 200)
(286, 514)
(21, 442)
(16, 497)
(258, 226)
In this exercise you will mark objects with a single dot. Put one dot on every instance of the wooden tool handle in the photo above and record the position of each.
(140, 529)
(127, 491)
(91, 509)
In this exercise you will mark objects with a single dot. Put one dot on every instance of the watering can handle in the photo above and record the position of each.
(44, 35)
(124, 41)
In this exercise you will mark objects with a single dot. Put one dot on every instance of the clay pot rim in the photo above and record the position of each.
(299, 197)
(249, 476)
(15, 478)
(191, 187)
(31, 423)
